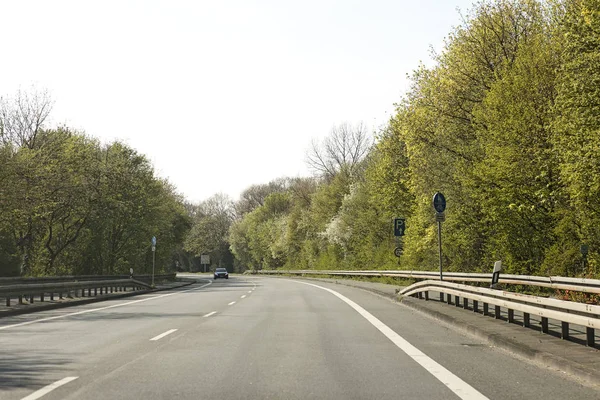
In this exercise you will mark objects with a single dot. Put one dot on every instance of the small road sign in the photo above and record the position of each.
(439, 202)
(440, 217)
(399, 226)
(398, 251)
(584, 249)
(153, 241)
(204, 259)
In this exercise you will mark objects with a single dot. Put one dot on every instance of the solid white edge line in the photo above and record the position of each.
(453, 382)
(209, 314)
(100, 308)
(243, 296)
(47, 389)
(162, 335)
(232, 303)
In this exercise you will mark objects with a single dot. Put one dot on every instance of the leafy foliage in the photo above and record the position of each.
(505, 124)
(72, 206)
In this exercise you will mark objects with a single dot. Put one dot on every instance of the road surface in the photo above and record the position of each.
(259, 338)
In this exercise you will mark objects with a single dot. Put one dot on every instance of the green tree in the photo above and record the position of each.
(578, 128)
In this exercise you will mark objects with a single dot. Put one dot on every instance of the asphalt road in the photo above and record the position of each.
(259, 338)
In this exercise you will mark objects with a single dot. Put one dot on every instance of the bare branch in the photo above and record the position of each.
(22, 117)
(343, 149)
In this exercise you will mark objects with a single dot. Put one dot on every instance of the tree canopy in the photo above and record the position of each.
(506, 124)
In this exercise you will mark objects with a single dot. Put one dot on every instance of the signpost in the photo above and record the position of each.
(439, 204)
(496, 274)
(584, 249)
(153, 257)
(399, 227)
(204, 261)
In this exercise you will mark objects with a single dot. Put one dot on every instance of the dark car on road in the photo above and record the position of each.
(221, 273)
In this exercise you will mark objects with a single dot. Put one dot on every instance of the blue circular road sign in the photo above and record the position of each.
(439, 202)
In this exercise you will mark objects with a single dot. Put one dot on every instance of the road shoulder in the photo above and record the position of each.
(578, 361)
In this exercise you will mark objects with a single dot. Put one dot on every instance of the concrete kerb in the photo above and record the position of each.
(53, 306)
(588, 375)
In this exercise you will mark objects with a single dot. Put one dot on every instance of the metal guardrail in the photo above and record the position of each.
(554, 282)
(567, 312)
(29, 290)
(78, 278)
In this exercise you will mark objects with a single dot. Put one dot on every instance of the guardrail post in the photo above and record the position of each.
(590, 337)
(30, 299)
(60, 295)
(511, 315)
(82, 292)
(95, 291)
(564, 330)
(465, 303)
(457, 301)
(497, 312)
(441, 296)
(475, 306)
(426, 295)
(486, 310)
(449, 299)
(544, 325)
(51, 296)
(20, 299)
(7, 301)
(526, 320)
(42, 296)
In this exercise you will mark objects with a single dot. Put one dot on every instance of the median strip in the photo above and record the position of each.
(47, 389)
(162, 335)
(100, 308)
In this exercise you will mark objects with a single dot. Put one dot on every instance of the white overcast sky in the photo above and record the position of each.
(223, 94)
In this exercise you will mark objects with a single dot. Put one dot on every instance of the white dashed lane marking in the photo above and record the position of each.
(162, 335)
